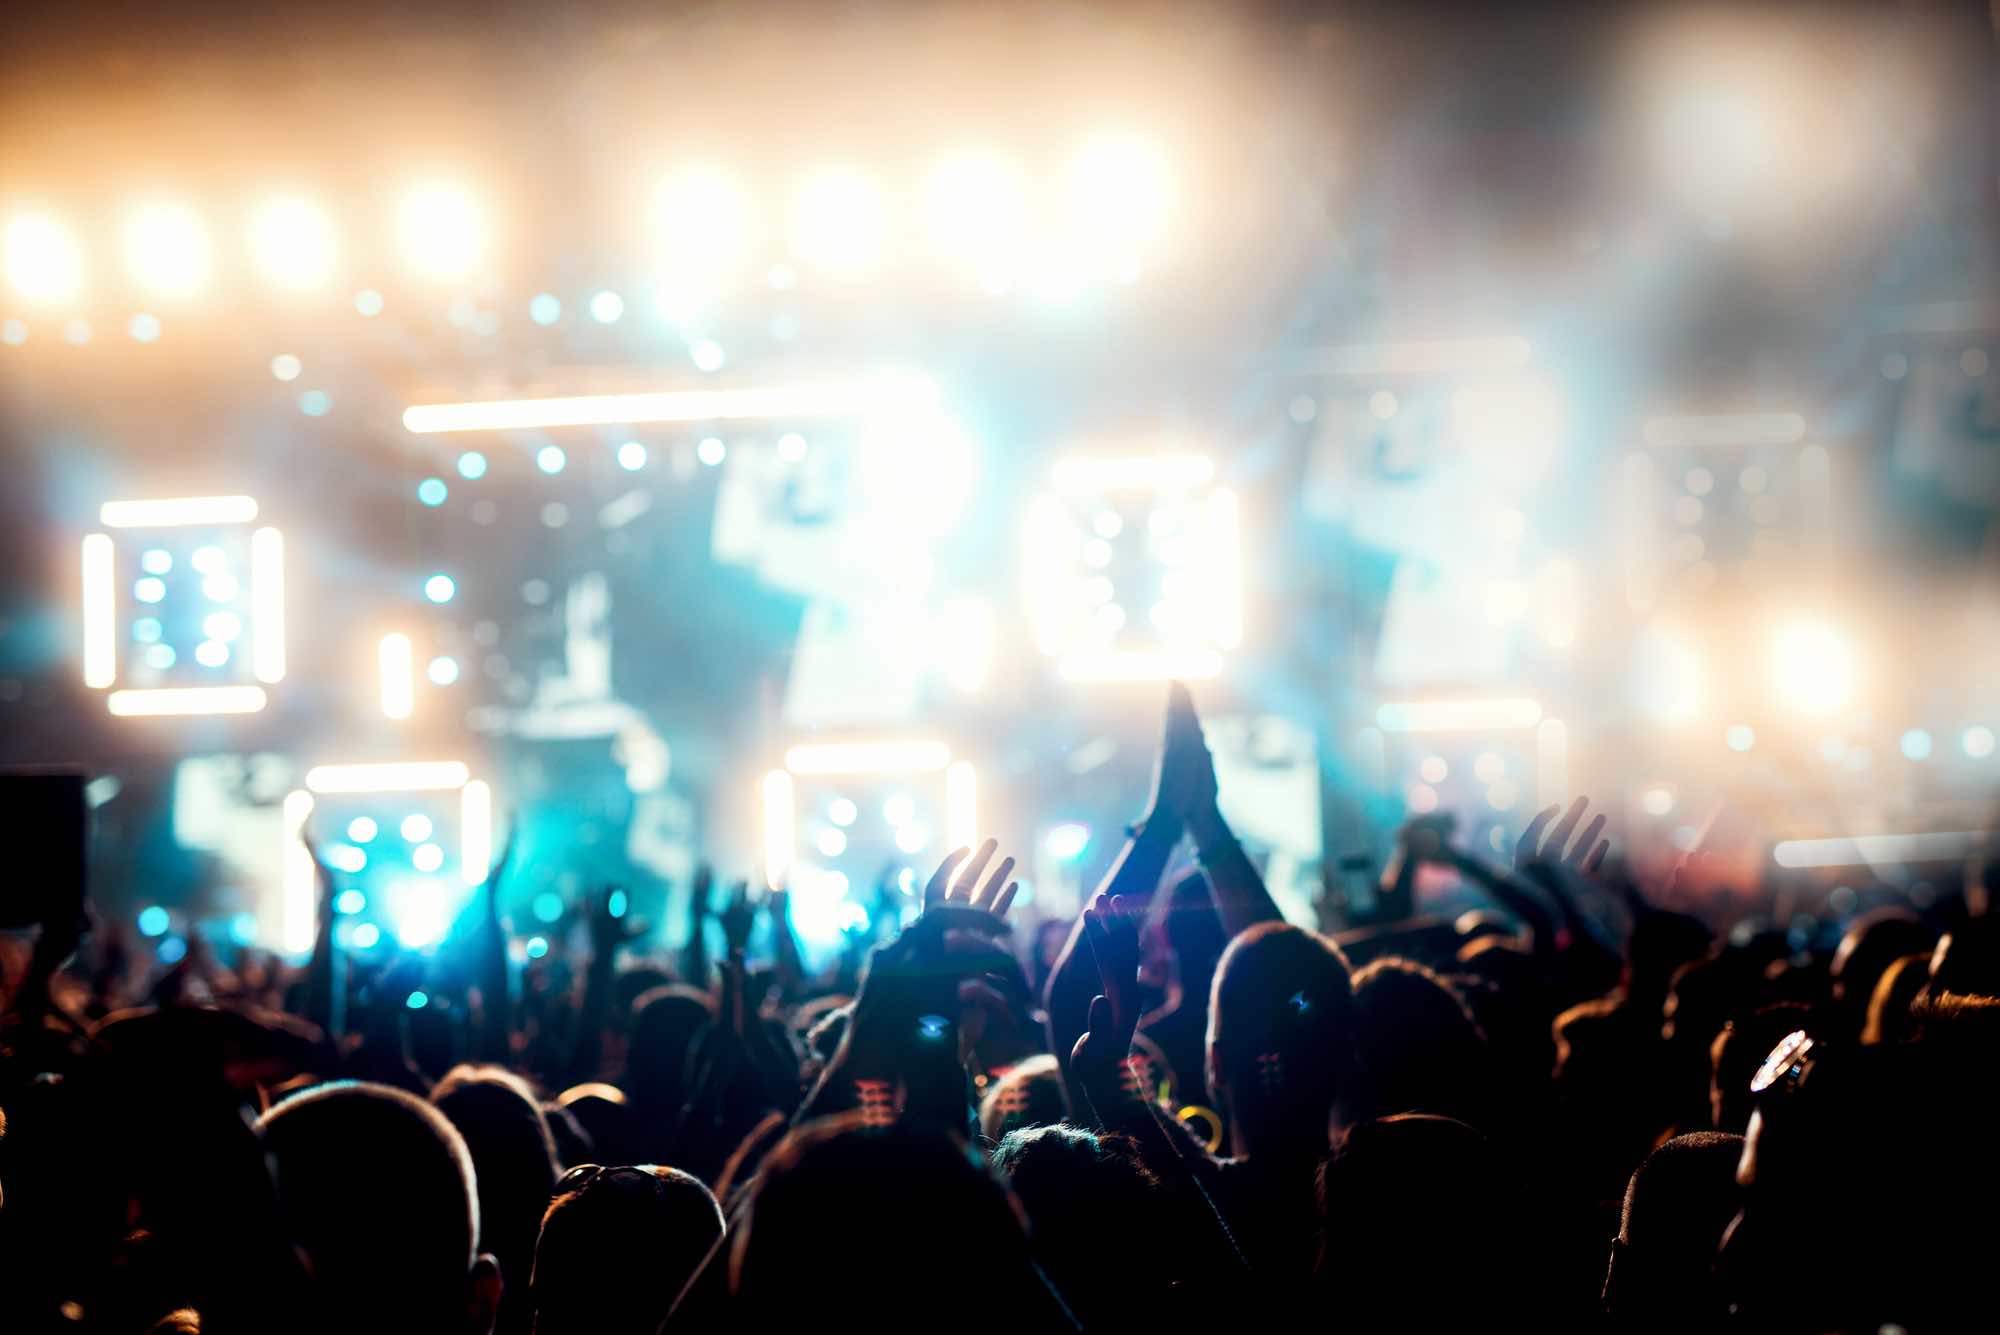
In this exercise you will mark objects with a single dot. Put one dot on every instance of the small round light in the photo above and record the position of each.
(315, 403)
(547, 906)
(427, 857)
(791, 447)
(544, 308)
(220, 587)
(208, 560)
(443, 671)
(538, 946)
(416, 827)
(368, 301)
(472, 465)
(156, 561)
(711, 451)
(1977, 741)
(154, 921)
(223, 626)
(1740, 737)
(432, 491)
(707, 354)
(149, 589)
(143, 328)
(160, 657)
(147, 630)
(417, 1000)
(440, 588)
(550, 459)
(606, 307)
(631, 456)
(362, 829)
(211, 653)
(1916, 744)
(367, 936)
(830, 842)
(349, 901)
(841, 812)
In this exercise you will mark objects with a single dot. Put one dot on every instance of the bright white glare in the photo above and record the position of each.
(416, 827)
(913, 838)
(292, 242)
(1138, 473)
(442, 670)
(1066, 842)
(417, 914)
(838, 221)
(1657, 801)
(1812, 667)
(1977, 741)
(186, 700)
(299, 878)
(961, 804)
(177, 513)
(844, 398)
(44, 259)
(1142, 665)
(830, 842)
(211, 653)
(394, 661)
(1740, 737)
(1916, 744)
(1457, 715)
(1726, 429)
(442, 230)
(427, 857)
(842, 812)
(899, 810)
(711, 451)
(976, 210)
(918, 469)
(1672, 682)
(362, 829)
(409, 776)
(167, 250)
(1122, 191)
(778, 833)
(867, 757)
(267, 605)
(100, 604)
(606, 307)
(701, 216)
(1873, 849)
(475, 830)
(632, 456)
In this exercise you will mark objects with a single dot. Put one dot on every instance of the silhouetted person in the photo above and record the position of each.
(617, 1245)
(514, 1156)
(1676, 1207)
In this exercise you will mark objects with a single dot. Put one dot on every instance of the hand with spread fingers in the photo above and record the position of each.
(1583, 857)
(1098, 1061)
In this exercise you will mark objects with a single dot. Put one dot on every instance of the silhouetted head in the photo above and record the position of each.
(1028, 1095)
(1090, 1203)
(1895, 992)
(617, 1246)
(1421, 1050)
(1873, 942)
(1280, 1035)
(377, 1189)
(665, 1023)
(1677, 1205)
(514, 1157)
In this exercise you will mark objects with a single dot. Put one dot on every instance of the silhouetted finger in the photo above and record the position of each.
(939, 884)
(1589, 840)
(994, 885)
(1530, 841)
(968, 876)
(1596, 859)
(1559, 837)
(1005, 899)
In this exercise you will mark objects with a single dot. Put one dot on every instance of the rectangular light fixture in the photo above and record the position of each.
(867, 757)
(779, 813)
(838, 398)
(397, 666)
(1726, 429)
(186, 700)
(1873, 849)
(1142, 665)
(267, 605)
(475, 831)
(1134, 473)
(100, 612)
(1458, 715)
(402, 776)
(178, 513)
(299, 879)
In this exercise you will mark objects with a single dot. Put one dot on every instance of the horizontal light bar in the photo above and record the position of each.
(836, 398)
(1457, 715)
(176, 513)
(867, 757)
(1870, 849)
(1431, 357)
(1727, 429)
(1136, 473)
(408, 776)
(186, 700)
(1142, 665)
(100, 612)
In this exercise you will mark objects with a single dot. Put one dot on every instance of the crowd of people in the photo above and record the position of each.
(1587, 1107)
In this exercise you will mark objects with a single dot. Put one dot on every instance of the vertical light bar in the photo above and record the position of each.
(778, 833)
(475, 831)
(961, 804)
(1641, 558)
(299, 896)
(1551, 762)
(267, 604)
(1225, 567)
(398, 671)
(100, 611)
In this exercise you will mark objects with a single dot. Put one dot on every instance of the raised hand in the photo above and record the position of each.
(738, 916)
(609, 930)
(1111, 927)
(966, 892)
(1184, 782)
(1583, 857)
(701, 896)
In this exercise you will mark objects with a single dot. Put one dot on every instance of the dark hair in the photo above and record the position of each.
(1092, 1213)
(514, 1157)
(1280, 1026)
(1030, 1094)
(1421, 1050)
(616, 1250)
(1678, 1203)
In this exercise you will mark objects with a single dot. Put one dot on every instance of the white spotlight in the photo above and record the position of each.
(838, 222)
(977, 213)
(1813, 668)
(1122, 190)
(44, 260)
(292, 242)
(168, 251)
(442, 230)
(702, 218)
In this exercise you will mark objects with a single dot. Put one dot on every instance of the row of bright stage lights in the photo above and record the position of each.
(977, 209)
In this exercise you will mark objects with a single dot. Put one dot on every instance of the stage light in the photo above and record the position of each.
(362, 829)
(418, 916)
(350, 901)
(44, 260)
(286, 367)
(1657, 801)
(367, 936)
(853, 398)
(1977, 741)
(475, 831)
(443, 231)
(544, 308)
(347, 858)
(211, 653)
(368, 302)
(1812, 667)
(702, 218)
(1740, 737)
(427, 857)
(1877, 849)
(631, 456)
(160, 657)
(154, 921)
(149, 589)
(440, 588)
(393, 660)
(147, 630)
(167, 250)
(1122, 191)
(416, 827)
(547, 906)
(830, 842)
(867, 757)
(841, 812)
(1457, 715)
(838, 221)
(899, 810)
(1066, 842)
(606, 307)
(779, 850)
(177, 513)
(551, 459)
(711, 451)
(143, 328)
(100, 609)
(389, 777)
(442, 671)
(292, 242)
(977, 213)
(707, 355)
(220, 587)
(186, 701)
(472, 465)
(1916, 744)
(315, 403)
(432, 492)
(537, 947)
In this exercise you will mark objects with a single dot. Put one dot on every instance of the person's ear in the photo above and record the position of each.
(482, 1306)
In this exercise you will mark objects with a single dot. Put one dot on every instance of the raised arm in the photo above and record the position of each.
(1240, 896)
